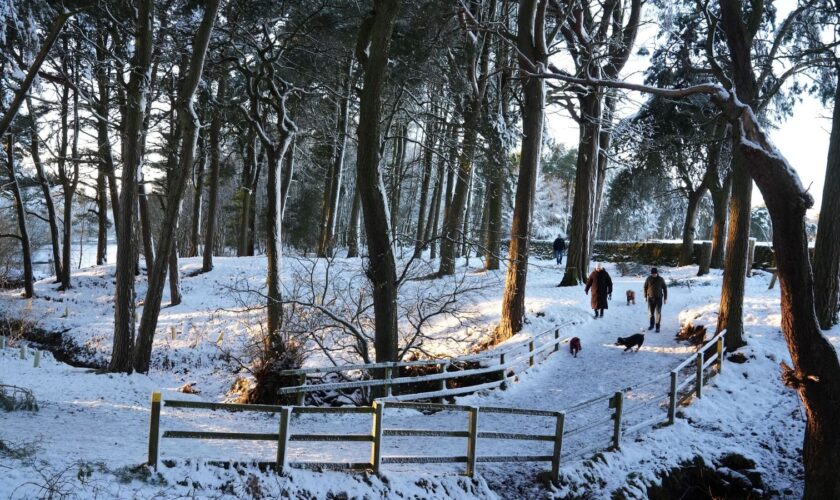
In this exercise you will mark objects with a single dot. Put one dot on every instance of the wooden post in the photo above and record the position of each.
(441, 382)
(36, 362)
(750, 257)
(154, 430)
(22, 351)
(531, 350)
(472, 440)
(503, 370)
(388, 381)
(300, 397)
(556, 339)
(699, 382)
(720, 354)
(283, 438)
(672, 402)
(617, 403)
(2, 341)
(376, 433)
(705, 258)
(558, 446)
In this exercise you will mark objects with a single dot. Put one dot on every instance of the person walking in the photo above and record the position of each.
(559, 248)
(601, 284)
(656, 293)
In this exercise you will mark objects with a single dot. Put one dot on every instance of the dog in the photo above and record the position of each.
(574, 346)
(632, 341)
(631, 297)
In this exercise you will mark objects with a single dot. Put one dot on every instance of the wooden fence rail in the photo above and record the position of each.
(619, 410)
(504, 360)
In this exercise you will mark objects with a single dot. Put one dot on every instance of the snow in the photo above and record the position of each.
(91, 432)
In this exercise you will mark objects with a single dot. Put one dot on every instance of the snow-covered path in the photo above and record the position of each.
(104, 417)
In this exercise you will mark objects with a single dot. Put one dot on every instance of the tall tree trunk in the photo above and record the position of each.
(35, 151)
(288, 172)
(495, 190)
(428, 163)
(103, 106)
(25, 247)
(720, 203)
(827, 247)
(530, 40)
(463, 248)
(586, 180)
(64, 177)
(690, 226)
(249, 169)
(274, 222)
(198, 193)
(188, 122)
(332, 188)
(604, 142)
(144, 218)
(397, 181)
(372, 52)
(353, 226)
(136, 95)
(101, 218)
(215, 167)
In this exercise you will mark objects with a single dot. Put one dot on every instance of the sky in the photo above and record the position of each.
(803, 138)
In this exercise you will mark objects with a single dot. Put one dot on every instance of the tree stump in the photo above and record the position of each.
(705, 258)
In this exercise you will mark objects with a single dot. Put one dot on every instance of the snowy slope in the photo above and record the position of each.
(98, 423)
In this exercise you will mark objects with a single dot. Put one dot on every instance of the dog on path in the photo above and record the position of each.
(574, 346)
(631, 297)
(632, 341)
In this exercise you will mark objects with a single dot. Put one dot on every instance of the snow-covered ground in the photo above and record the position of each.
(92, 429)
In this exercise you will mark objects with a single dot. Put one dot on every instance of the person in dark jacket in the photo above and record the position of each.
(601, 284)
(656, 293)
(559, 249)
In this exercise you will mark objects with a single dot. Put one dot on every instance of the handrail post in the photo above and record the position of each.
(531, 350)
(388, 380)
(672, 400)
(558, 447)
(699, 381)
(376, 433)
(617, 403)
(301, 396)
(472, 440)
(720, 354)
(283, 438)
(154, 430)
(556, 339)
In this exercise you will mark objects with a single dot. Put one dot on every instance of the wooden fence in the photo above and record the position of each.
(620, 411)
(505, 361)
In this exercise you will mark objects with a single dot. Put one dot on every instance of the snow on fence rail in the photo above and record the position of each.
(504, 360)
(564, 435)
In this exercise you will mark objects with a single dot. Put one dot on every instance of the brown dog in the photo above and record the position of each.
(631, 297)
(574, 346)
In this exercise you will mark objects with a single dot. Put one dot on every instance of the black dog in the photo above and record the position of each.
(632, 341)
(574, 346)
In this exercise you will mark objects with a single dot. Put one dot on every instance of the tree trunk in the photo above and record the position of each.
(65, 178)
(827, 247)
(604, 142)
(372, 51)
(431, 226)
(531, 25)
(103, 105)
(35, 151)
(188, 122)
(288, 167)
(274, 222)
(101, 219)
(428, 163)
(353, 226)
(246, 189)
(136, 95)
(25, 247)
(198, 193)
(332, 188)
(215, 167)
(720, 203)
(689, 226)
(495, 190)
(586, 179)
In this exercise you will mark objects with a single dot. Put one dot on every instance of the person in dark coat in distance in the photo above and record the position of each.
(601, 284)
(559, 248)
(656, 293)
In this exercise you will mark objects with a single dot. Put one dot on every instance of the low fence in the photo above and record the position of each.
(505, 361)
(561, 435)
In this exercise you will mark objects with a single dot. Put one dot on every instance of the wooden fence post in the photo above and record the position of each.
(617, 403)
(2, 341)
(699, 381)
(388, 381)
(531, 350)
(472, 440)
(556, 339)
(705, 258)
(376, 433)
(558, 446)
(503, 370)
(672, 399)
(154, 430)
(36, 362)
(22, 351)
(283, 438)
(720, 354)
(300, 397)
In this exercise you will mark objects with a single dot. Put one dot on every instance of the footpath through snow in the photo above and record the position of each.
(90, 425)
